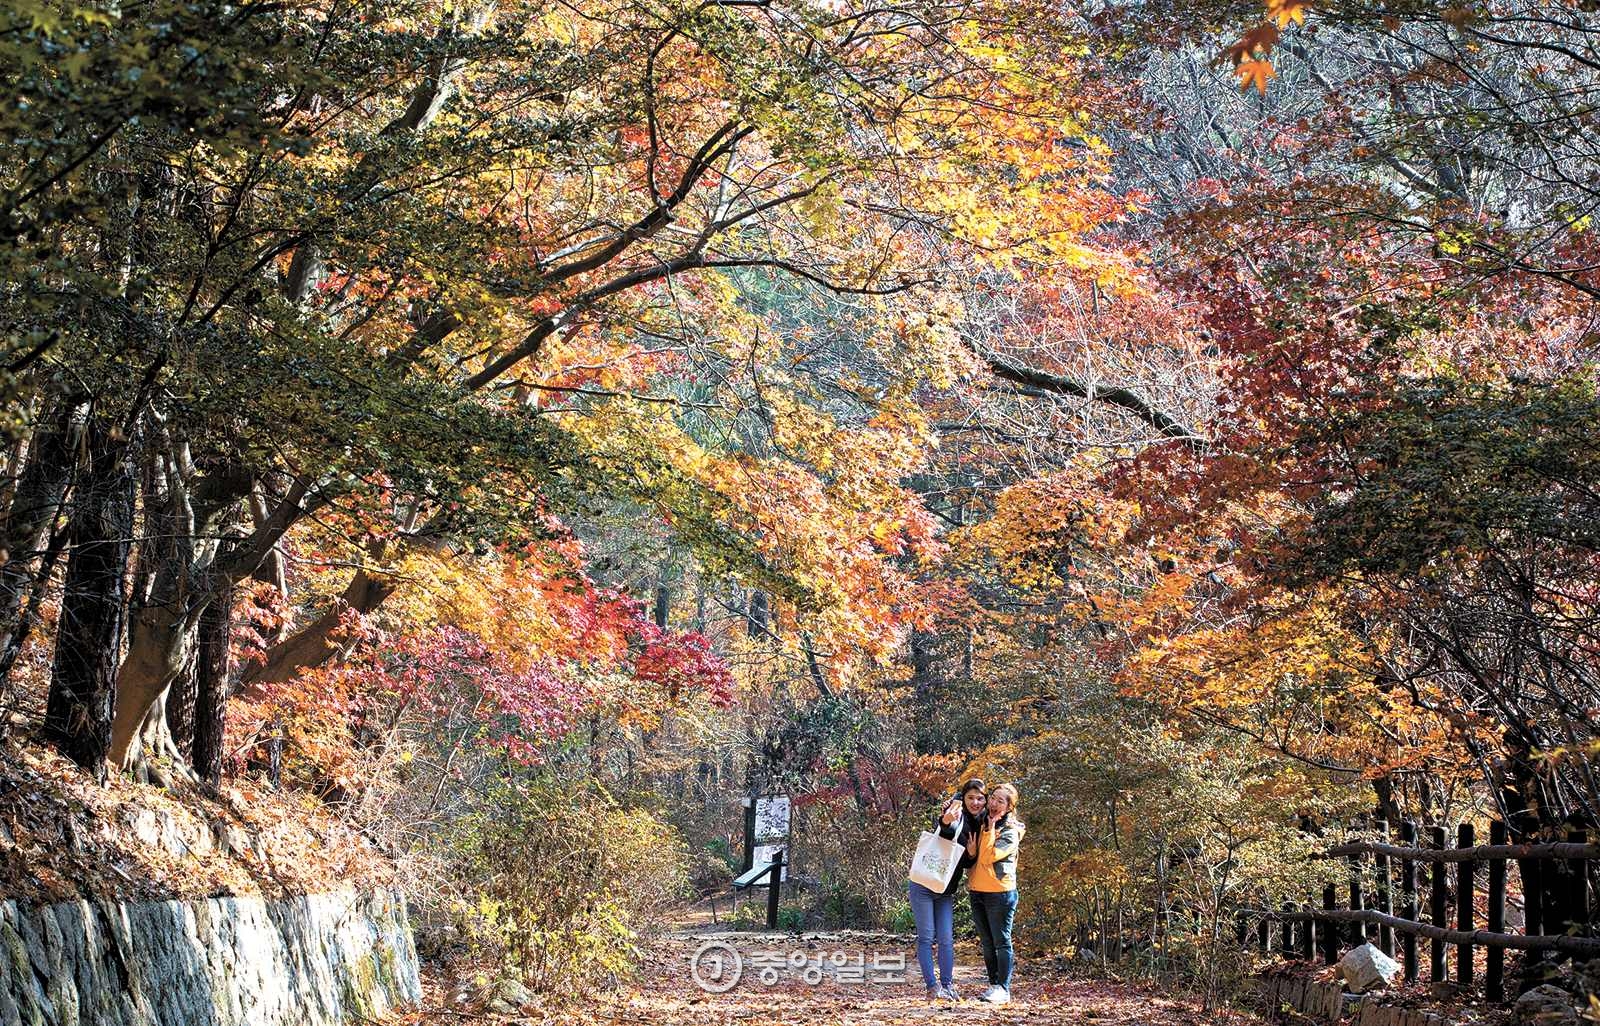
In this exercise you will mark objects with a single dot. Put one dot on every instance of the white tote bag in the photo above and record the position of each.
(935, 861)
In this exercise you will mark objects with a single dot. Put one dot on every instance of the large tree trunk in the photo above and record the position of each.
(30, 522)
(90, 629)
(166, 555)
(322, 639)
(160, 643)
(195, 511)
(182, 695)
(213, 669)
(162, 633)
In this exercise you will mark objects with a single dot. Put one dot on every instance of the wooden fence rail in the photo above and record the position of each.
(1476, 938)
(1556, 903)
(1480, 853)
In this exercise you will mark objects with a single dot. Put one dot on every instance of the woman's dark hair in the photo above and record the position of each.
(972, 785)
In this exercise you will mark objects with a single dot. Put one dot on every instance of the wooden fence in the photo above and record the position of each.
(1555, 889)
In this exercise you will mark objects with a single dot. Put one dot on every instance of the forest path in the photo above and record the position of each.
(849, 979)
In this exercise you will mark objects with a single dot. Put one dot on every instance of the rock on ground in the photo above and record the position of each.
(1546, 1005)
(1367, 968)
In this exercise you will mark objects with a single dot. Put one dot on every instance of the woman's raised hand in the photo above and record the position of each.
(952, 809)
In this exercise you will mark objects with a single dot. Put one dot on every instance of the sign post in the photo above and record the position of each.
(772, 890)
(766, 845)
(766, 829)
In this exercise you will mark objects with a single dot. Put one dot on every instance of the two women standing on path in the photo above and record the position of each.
(988, 832)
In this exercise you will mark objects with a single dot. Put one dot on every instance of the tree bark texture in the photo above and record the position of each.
(90, 629)
(213, 669)
(30, 521)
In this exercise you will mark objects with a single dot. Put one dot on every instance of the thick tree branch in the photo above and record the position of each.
(1122, 398)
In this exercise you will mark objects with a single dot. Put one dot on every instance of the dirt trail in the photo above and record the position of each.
(850, 979)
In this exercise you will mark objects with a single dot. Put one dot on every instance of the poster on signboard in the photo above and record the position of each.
(772, 817)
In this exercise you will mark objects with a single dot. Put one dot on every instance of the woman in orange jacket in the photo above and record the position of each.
(992, 888)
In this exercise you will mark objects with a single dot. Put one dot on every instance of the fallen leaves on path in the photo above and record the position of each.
(666, 993)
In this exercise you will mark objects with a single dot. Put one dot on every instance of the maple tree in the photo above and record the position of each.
(598, 219)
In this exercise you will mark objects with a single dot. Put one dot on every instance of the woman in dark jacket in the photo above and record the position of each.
(959, 821)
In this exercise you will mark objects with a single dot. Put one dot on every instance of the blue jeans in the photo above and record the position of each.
(935, 915)
(992, 912)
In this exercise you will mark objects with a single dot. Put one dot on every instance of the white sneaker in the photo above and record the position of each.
(950, 993)
(988, 992)
(997, 996)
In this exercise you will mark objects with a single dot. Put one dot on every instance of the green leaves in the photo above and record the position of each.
(1451, 471)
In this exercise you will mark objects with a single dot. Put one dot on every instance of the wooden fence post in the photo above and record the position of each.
(1358, 930)
(1408, 900)
(1309, 925)
(1578, 881)
(1242, 928)
(1263, 933)
(1494, 982)
(1565, 900)
(1437, 910)
(1533, 875)
(1464, 874)
(1328, 928)
(1532, 889)
(1384, 903)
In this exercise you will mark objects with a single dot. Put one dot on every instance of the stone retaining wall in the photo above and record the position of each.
(1325, 1001)
(1373, 1012)
(315, 960)
(1321, 1000)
